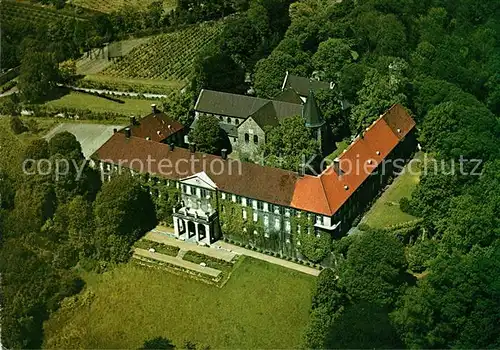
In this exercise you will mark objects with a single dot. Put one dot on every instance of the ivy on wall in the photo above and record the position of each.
(314, 246)
(165, 197)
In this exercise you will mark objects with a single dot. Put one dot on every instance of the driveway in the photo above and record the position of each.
(90, 136)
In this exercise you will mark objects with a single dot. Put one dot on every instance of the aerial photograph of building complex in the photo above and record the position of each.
(249, 174)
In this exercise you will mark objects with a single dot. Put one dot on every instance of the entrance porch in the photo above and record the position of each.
(196, 226)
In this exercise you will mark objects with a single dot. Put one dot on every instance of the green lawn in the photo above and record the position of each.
(99, 104)
(261, 306)
(385, 212)
(341, 146)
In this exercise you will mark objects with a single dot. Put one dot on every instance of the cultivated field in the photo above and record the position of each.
(261, 306)
(97, 60)
(108, 6)
(18, 11)
(167, 56)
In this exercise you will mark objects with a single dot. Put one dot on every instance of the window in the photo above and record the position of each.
(277, 223)
(184, 188)
(260, 205)
(249, 202)
(287, 212)
(204, 193)
(238, 199)
(221, 119)
(228, 120)
(255, 217)
(271, 208)
(244, 214)
(319, 220)
(255, 139)
(223, 195)
(287, 226)
(247, 138)
(266, 220)
(236, 121)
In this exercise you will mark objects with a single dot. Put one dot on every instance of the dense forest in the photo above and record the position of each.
(439, 58)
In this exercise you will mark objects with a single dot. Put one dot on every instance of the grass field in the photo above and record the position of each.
(11, 149)
(108, 6)
(99, 104)
(385, 212)
(261, 306)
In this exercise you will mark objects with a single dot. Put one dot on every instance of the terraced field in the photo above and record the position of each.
(108, 6)
(167, 56)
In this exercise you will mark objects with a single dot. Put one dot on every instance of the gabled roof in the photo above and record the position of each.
(302, 85)
(311, 113)
(157, 127)
(275, 111)
(324, 194)
(357, 162)
(232, 105)
(289, 95)
(245, 179)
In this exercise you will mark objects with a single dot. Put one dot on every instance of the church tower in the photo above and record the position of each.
(314, 121)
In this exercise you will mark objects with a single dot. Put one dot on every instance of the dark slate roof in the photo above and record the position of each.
(289, 95)
(231, 130)
(303, 85)
(232, 105)
(274, 111)
(311, 113)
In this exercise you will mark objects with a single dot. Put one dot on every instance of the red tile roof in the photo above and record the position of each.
(357, 162)
(150, 125)
(324, 194)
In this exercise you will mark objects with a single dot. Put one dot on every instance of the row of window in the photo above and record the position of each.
(196, 191)
(255, 139)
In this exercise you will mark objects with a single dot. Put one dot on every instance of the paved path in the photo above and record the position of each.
(90, 136)
(116, 93)
(177, 262)
(269, 259)
(159, 237)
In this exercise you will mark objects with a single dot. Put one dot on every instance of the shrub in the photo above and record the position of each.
(17, 125)
(404, 205)
(364, 227)
(420, 254)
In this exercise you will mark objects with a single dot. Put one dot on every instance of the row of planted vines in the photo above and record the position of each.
(12, 11)
(167, 56)
(108, 6)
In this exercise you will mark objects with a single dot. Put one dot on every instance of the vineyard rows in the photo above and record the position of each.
(12, 11)
(167, 56)
(108, 6)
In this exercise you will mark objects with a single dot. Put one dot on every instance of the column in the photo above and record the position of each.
(176, 227)
(207, 232)
(197, 232)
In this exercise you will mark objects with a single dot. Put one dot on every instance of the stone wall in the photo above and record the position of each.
(250, 137)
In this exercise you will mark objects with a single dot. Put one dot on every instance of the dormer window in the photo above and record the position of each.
(378, 153)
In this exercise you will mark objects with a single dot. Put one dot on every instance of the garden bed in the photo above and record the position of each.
(158, 247)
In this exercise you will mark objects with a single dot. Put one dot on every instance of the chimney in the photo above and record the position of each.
(172, 146)
(224, 153)
(153, 109)
(128, 133)
(336, 166)
(133, 121)
(115, 131)
(192, 147)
